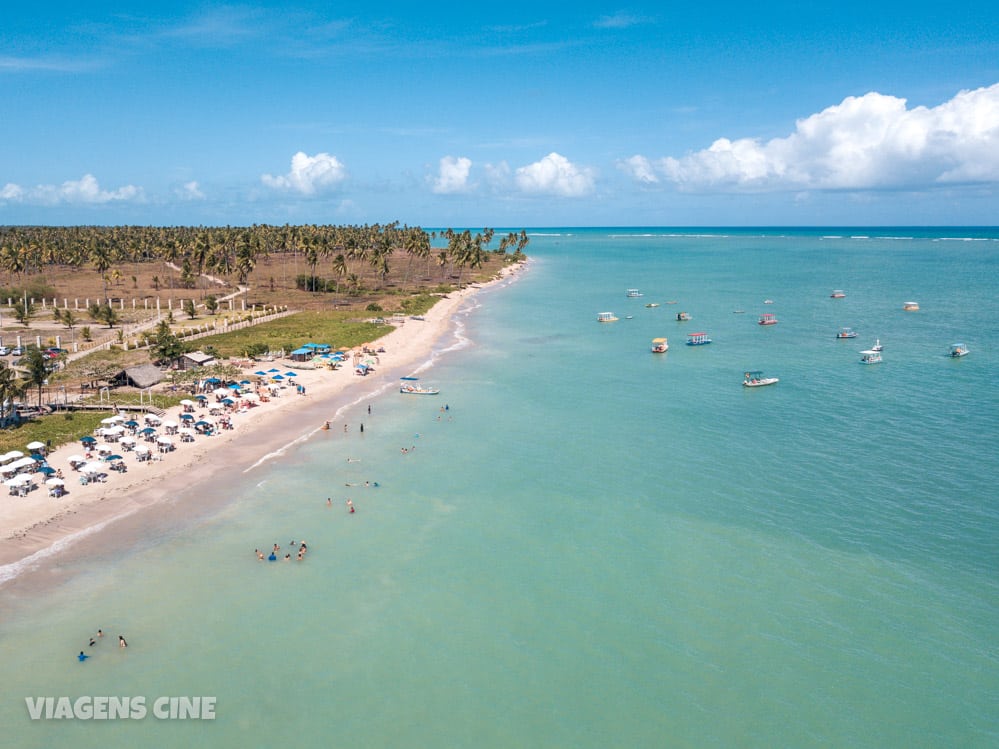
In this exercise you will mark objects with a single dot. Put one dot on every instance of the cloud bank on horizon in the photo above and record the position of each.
(872, 142)
(868, 142)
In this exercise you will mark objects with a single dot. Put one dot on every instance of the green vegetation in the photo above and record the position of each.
(58, 429)
(338, 329)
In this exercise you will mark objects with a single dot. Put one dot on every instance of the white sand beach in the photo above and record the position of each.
(35, 525)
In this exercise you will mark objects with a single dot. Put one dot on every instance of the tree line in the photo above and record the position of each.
(233, 253)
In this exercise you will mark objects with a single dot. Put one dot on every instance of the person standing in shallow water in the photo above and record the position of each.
(121, 642)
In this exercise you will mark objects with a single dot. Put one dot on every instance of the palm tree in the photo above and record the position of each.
(11, 388)
(36, 370)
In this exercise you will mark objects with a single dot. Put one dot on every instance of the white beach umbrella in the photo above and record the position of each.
(186, 430)
(170, 424)
(93, 468)
(76, 459)
(35, 445)
(187, 402)
(55, 482)
(101, 449)
(12, 455)
(221, 392)
(141, 449)
(20, 463)
(250, 396)
(18, 480)
(128, 440)
(114, 430)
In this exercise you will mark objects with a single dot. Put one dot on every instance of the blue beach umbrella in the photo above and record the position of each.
(109, 458)
(234, 386)
(147, 430)
(201, 397)
(213, 380)
(260, 373)
(36, 456)
(47, 470)
(88, 440)
(277, 377)
(227, 401)
(187, 417)
(273, 369)
(131, 424)
(202, 424)
(290, 374)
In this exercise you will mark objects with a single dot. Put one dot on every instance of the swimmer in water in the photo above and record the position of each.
(82, 657)
(350, 506)
(121, 642)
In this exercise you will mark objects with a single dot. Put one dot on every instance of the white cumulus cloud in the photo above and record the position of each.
(452, 176)
(866, 142)
(190, 191)
(555, 175)
(85, 190)
(309, 174)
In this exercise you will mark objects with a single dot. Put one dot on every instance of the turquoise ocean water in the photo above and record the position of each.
(593, 546)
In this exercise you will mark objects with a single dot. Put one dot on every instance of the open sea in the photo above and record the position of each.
(592, 545)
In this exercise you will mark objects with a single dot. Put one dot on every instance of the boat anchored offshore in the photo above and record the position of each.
(660, 345)
(757, 380)
(846, 333)
(957, 350)
(606, 317)
(698, 339)
(682, 316)
(911, 306)
(837, 294)
(870, 357)
(768, 318)
(877, 346)
(412, 386)
(633, 293)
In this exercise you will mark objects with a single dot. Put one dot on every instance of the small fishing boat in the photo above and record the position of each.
(911, 306)
(682, 316)
(652, 304)
(870, 357)
(846, 333)
(698, 339)
(957, 350)
(757, 380)
(877, 345)
(660, 345)
(412, 386)
(606, 317)
(633, 293)
(768, 301)
(838, 294)
(767, 318)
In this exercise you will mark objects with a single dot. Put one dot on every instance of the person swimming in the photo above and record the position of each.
(121, 642)
(272, 557)
(82, 657)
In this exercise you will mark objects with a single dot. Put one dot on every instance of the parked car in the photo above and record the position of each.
(17, 351)
(4, 351)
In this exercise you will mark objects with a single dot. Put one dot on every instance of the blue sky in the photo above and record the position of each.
(505, 115)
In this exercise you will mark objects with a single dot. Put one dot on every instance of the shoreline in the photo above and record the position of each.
(37, 530)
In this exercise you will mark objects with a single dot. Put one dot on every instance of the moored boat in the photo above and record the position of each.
(957, 350)
(682, 316)
(606, 317)
(412, 386)
(698, 339)
(911, 306)
(660, 345)
(870, 357)
(767, 318)
(846, 333)
(633, 293)
(756, 380)
(877, 345)
(837, 294)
